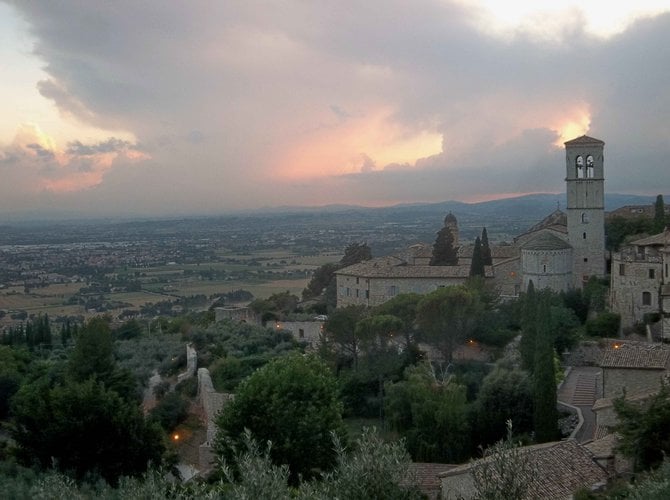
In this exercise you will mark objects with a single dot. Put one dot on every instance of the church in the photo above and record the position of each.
(560, 252)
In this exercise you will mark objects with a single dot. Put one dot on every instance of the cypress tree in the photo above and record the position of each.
(545, 415)
(659, 214)
(477, 264)
(486, 249)
(528, 328)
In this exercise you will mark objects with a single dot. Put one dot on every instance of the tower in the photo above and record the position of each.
(585, 185)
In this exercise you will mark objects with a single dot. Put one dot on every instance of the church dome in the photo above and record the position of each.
(450, 219)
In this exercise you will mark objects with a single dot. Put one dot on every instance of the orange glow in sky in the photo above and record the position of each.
(360, 144)
(576, 124)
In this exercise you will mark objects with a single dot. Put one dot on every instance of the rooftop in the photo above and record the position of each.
(639, 355)
(584, 139)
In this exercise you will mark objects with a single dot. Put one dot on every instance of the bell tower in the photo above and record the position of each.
(585, 185)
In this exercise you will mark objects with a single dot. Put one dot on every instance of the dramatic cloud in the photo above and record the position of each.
(249, 104)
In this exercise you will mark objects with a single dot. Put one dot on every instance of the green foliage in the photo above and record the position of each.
(355, 253)
(93, 355)
(128, 330)
(277, 306)
(619, 229)
(170, 411)
(505, 472)
(444, 252)
(545, 415)
(659, 214)
(431, 415)
(645, 431)
(477, 263)
(653, 486)
(13, 367)
(293, 402)
(447, 317)
(83, 428)
(320, 280)
(402, 306)
(341, 332)
(505, 395)
(604, 325)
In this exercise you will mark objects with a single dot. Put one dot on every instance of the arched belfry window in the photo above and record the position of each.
(579, 162)
(589, 167)
(585, 218)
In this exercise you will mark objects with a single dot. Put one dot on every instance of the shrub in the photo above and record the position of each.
(605, 325)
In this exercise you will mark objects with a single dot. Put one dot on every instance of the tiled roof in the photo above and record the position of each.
(584, 139)
(656, 239)
(560, 469)
(497, 251)
(393, 267)
(636, 355)
(546, 241)
(426, 477)
(555, 218)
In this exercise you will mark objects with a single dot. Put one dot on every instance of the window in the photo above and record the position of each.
(357, 281)
(301, 333)
(666, 269)
(392, 291)
(589, 167)
(544, 268)
(357, 292)
(652, 274)
(348, 292)
(586, 259)
(585, 218)
(579, 162)
(583, 236)
(367, 294)
(622, 269)
(646, 298)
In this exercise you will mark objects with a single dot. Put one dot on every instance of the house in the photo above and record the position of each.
(639, 281)
(559, 469)
(634, 368)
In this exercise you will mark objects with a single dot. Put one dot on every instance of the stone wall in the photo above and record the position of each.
(303, 331)
(211, 402)
(191, 363)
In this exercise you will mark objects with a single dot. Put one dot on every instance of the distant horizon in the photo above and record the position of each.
(37, 216)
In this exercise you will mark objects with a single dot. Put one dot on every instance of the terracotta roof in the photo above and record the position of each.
(394, 267)
(560, 469)
(605, 445)
(497, 251)
(555, 218)
(546, 241)
(426, 477)
(636, 356)
(584, 139)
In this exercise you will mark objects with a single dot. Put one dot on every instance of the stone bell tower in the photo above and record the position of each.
(585, 184)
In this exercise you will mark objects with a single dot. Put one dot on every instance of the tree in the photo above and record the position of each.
(355, 253)
(444, 252)
(341, 331)
(430, 414)
(659, 214)
(486, 249)
(93, 354)
(644, 430)
(505, 395)
(545, 415)
(447, 317)
(320, 280)
(402, 306)
(292, 402)
(83, 428)
(477, 263)
(528, 327)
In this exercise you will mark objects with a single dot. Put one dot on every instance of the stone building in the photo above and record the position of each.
(640, 279)
(560, 252)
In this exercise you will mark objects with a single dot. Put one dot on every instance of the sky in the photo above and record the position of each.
(147, 107)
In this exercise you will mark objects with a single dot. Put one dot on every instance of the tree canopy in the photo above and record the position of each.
(444, 251)
(292, 402)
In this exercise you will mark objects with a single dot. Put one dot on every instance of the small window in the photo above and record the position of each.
(589, 167)
(586, 259)
(579, 162)
(622, 269)
(357, 292)
(392, 291)
(357, 280)
(544, 268)
(301, 333)
(367, 294)
(348, 292)
(585, 218)
(666, 270)
(583, 236)
(646, 298)
(652, 274)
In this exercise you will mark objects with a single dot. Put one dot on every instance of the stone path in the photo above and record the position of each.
(581, 389)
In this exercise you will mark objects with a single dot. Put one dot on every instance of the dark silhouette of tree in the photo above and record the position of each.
(355, 253)
(659, 214)
(447, 317)
(477, 263)
(444, 252)
(486, 249)
(528, 327)
(545, 415)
